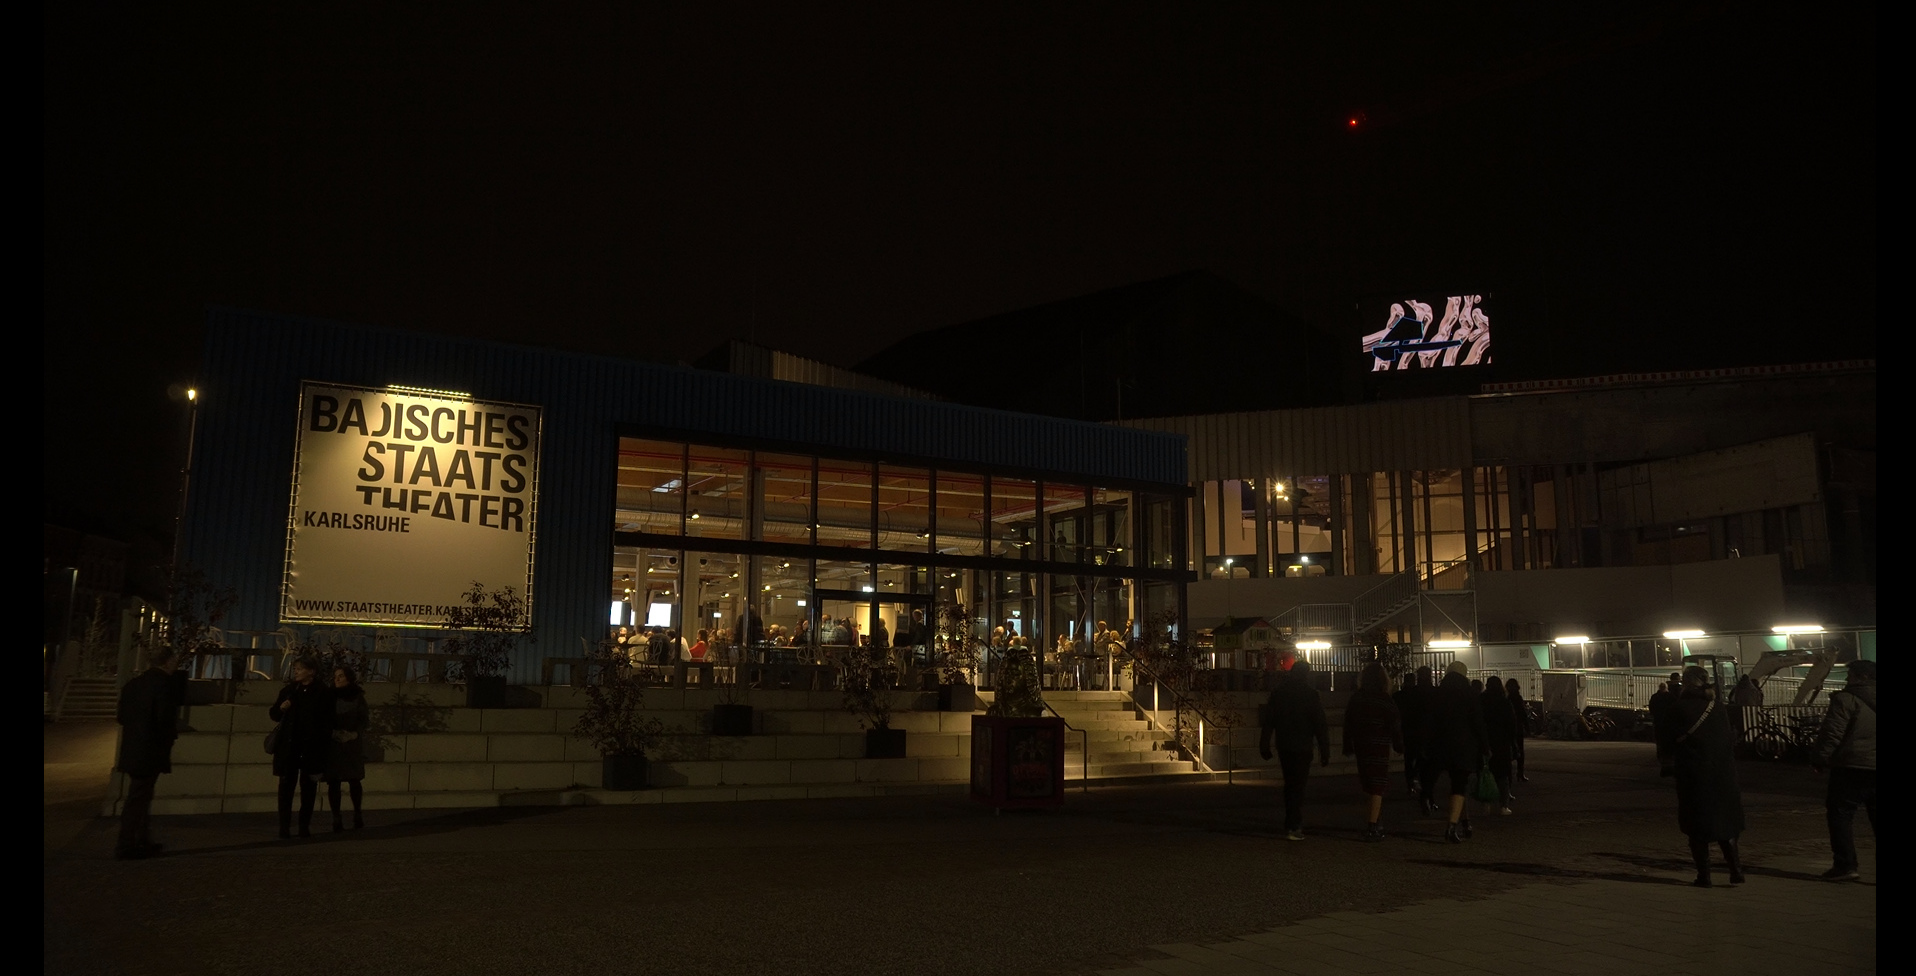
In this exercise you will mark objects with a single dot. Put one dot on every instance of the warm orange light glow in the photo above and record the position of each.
(1353, 121)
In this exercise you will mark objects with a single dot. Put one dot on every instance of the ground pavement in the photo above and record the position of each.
(1589, 876)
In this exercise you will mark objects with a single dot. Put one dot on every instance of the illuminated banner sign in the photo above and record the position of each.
(1429, 332)
(402, 499)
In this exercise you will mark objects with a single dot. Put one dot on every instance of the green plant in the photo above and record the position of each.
(866, 677)
(195, 606)
(1020, 695)
(1177, 667)
(957, 646)
(490, 624)
(615, 693)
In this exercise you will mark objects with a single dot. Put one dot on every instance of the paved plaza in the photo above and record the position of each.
(1589, 876)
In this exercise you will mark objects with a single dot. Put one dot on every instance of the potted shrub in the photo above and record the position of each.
(1017, 751)
(732, 715)
(614, 693)
(866, 678)
(957, 660)
(489, 625)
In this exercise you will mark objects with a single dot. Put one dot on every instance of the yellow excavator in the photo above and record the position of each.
(1820, 660)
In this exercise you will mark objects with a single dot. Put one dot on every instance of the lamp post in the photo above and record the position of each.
(1227, 585)
(180, 393)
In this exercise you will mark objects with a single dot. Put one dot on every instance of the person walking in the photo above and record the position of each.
(1662, 706)
(1373, 730)
(304, 711)
(1709, 802)
(1520, 717)
(1499, 726)
(1846, 747)
(1746, 695)
(346, 760)
(1413, 709)
(149, 716)
(1293, 717)
(1458, 745)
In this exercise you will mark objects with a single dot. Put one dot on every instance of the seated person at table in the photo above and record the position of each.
(702, 646)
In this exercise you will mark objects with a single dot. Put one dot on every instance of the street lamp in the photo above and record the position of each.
(181, 393)
(1227, 585)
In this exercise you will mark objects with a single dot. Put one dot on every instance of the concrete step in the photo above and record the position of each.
(374, 802)
(1114, 770)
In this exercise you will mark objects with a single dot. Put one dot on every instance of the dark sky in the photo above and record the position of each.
(1663, 186)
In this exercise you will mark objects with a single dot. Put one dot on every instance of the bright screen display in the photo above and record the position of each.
(1432, 332)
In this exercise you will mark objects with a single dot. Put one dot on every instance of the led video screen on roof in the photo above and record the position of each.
(1411, 332)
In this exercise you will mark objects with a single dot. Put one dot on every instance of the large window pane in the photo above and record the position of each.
(961, 514)
(1014, 519)
(785, 498)
(651, 486)
(844, 504)
(717, 584)
(1158, 533)
(1109, 543)
(783, 597)
(716, 493)
(844, 592)
(904, 508)
(1066, 530)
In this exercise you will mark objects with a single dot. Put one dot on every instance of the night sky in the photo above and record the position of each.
(1663, 186)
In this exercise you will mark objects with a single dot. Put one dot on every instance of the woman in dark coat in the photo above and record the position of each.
(1372, 731)
(1457, 745)
(1520, 714)
(304, 711)
(1709, 802)
(1499, 725)
(346, 761)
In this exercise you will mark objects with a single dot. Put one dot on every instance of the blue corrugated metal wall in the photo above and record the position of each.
(236, 520)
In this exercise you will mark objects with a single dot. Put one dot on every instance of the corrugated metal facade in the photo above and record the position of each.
(236, 522)
(1405, 435)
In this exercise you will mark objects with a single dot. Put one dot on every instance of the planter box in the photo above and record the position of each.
(1017, 763)
(957, 698)
(884, 743)
(486, 692)
(623, 772)
(731, 720)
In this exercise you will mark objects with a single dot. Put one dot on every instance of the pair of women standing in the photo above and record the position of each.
(319, 737)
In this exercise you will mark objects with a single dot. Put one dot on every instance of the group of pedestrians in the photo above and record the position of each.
(320, 736)
(1474, 735)
(1449, 729)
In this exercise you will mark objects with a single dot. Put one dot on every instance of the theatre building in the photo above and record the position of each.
(355, 479)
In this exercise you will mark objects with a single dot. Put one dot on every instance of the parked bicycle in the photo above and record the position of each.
(1776, 740)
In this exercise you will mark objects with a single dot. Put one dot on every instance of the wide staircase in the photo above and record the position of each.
(1123, 746)
(89, 698)
(426, 750)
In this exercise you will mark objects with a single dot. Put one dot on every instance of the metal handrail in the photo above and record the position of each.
(1085, 742)
(1401, 586)
(1178, 701)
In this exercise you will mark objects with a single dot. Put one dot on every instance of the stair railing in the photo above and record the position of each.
(1084, 741)
(1376, 604)
(1183, 702)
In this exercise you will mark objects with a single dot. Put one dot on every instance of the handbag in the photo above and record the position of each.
(1487, 790)
(272, 740)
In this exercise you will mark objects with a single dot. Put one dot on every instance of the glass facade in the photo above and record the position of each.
(784, 555)
(1437, 523)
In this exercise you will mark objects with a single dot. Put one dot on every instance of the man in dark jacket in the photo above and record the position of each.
(1662, 704)
(1846, 747)
(1293, 717)
(1458, 744)
(1413, 705)
(149, 717)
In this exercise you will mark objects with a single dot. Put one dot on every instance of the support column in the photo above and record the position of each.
(1261, 507)
(1469, 481)
(1337, 484)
